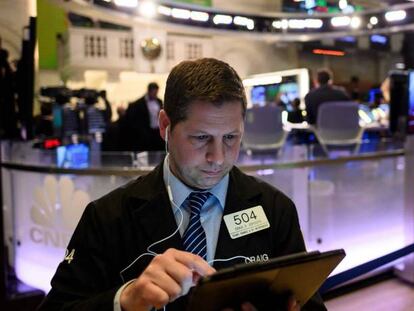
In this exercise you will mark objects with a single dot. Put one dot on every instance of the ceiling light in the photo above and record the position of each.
(395, 16)
(199, 16)
(373, 20)
(277, 24)
(400, 66)
(180, 13)
(304, 23)
(314, 23)
(285, 24)
(340, 21)
(127, 3)
(147, 9)
(244, 21)
(297, 23)
(343, 4)
(222, 19)
(355, 22)
(163, 10)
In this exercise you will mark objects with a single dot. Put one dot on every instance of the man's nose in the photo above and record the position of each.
(215, 153)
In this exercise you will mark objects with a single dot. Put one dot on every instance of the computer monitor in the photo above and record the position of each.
(379, 42)
(72, 156)
(346, 42)
(283, 93)
(374, 94)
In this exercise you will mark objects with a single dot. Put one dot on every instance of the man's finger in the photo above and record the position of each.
(293, 304)
(194, 262)
(247, 306)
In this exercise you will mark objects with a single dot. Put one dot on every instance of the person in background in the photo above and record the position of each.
(324, 92)
(354, 90)
(144, 245)
(108, 108)
(8, 111)
(141, 122)
(295, 115)
(386, 90)
(43, 123)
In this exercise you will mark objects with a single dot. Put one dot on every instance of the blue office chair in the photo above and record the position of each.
(264, 129)
(337, 124)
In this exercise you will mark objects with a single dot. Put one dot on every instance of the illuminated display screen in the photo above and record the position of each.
(279, 93)
(73, 156)
(347, 41)
(379, 42)
(410, 121)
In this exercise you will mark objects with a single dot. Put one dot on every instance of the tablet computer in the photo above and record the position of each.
(299, 274)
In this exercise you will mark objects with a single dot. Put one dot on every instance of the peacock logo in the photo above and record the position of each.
(57, 208)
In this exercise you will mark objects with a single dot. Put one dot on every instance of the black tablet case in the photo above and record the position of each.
(299, 275)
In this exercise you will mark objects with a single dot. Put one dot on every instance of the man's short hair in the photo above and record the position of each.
(323, 76)
(205, 79)
(153, 86)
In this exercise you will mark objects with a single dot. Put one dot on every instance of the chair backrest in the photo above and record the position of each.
(263, 128)
(338, 123)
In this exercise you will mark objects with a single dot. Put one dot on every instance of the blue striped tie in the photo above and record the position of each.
(194, 238)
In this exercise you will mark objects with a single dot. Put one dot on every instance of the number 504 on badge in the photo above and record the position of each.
(246, 221)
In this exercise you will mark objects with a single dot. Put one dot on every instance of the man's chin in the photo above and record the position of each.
(209, 182)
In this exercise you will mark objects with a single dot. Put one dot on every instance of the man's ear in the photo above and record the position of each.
(163, 123)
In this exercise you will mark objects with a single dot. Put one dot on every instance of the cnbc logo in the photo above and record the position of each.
(57, 208)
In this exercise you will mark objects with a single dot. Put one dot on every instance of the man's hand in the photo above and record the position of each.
(167, 277)
(293, 304)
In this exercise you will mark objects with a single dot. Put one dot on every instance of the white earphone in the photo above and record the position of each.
(167, 129)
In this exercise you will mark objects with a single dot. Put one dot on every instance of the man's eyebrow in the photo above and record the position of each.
(205, 132)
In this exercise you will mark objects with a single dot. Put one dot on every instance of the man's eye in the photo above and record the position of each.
(229, 137)
(201, 137)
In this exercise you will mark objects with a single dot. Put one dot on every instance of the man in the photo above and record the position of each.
(141, 122)
(8, 113)
(324, 92)
(144, 245)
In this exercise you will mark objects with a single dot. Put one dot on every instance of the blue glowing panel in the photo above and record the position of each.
(381, 42)
(410, 125)
(73, 156)
(258, 95)
(380, 39)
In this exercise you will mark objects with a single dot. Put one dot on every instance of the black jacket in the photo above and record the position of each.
(118, 227)
(322, 94)
(136, 131)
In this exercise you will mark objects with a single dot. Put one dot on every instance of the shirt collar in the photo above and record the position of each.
(180, 191)
(147, 99)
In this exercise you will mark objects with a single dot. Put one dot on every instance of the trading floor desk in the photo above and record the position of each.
(350, 201)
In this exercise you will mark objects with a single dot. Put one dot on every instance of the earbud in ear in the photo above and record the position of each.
(167, 130)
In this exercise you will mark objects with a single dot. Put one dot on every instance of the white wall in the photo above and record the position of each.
(111, 60)
(14, 15)
(252, 56)
(184, 47)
